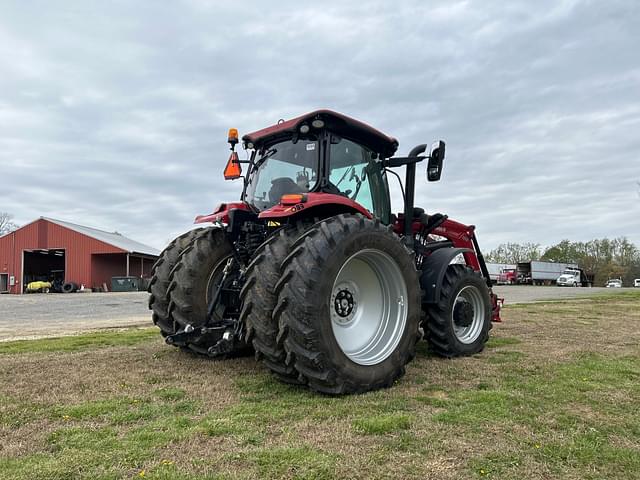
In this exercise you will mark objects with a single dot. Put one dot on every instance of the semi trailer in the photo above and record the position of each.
(541, 273)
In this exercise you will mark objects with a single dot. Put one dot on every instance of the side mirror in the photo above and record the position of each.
(434, 167)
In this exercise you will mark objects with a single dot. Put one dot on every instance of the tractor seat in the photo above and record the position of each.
(281, 186)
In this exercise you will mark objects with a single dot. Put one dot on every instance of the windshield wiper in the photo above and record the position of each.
(350, 170)
(268, 154)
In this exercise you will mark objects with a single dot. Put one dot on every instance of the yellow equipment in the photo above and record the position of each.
(43, 287)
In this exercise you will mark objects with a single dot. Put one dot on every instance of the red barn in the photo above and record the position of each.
(48, 249)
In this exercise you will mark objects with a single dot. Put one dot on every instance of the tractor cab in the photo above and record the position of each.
(322, 152)
(325, 163)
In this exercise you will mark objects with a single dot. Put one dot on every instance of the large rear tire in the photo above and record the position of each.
(459, 323)
(348, 306)
(159, 297)
(259, 298)
(192, 284)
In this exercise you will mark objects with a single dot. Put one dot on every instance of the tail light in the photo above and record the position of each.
(293, 199)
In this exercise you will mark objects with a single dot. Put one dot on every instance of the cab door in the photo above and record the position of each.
(356, 172)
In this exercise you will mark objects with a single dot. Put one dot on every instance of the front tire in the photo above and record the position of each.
(459, 323)
(348, 306)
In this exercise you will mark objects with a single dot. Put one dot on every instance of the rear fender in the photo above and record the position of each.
(316, 204)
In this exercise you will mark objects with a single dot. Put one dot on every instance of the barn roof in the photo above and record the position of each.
(112, 238)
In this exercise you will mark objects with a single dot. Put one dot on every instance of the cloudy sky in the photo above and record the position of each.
(114, 114)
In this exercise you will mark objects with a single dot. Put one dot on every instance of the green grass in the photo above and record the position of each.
(74, 343)
(524, 396)
(380, 424)
(293, 462)
(523, 409)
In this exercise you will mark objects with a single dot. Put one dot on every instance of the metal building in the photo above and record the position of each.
(48, 249)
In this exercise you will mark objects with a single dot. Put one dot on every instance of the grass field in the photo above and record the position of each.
(555, 395)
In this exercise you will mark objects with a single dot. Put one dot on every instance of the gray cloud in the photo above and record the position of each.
(115, 115)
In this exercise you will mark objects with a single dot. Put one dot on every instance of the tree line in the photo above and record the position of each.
(605, 258)
(6, 223)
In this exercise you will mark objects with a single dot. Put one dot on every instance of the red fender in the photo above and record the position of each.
(315, 200)
(460, 235)
(221, 212)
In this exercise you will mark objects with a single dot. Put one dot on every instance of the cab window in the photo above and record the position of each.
(355, 174)
(285, 167)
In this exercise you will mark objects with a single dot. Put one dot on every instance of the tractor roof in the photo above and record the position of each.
(336, 122)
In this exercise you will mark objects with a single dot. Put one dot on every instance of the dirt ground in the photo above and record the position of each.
(40, 315)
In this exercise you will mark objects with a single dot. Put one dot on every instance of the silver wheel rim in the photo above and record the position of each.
(368, 307)
(469, 299)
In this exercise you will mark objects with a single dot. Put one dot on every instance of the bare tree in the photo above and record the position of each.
(6, 224)
(514, 253)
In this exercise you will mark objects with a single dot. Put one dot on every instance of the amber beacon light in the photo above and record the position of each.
(233, 169)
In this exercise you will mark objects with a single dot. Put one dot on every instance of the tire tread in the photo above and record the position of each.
(437, 324)
(303, 271)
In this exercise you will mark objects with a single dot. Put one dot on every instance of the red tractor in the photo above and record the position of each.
(312, 270)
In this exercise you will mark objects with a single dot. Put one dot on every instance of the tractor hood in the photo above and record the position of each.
(335, 122)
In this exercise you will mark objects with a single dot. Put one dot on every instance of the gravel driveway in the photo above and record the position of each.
(526, 294)
(38, 315)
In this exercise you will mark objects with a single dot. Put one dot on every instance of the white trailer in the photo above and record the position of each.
(541, 273)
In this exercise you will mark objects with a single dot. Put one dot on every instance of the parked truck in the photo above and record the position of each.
(541, 273)
(574, 277)
(508, 276)
(497, 269)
